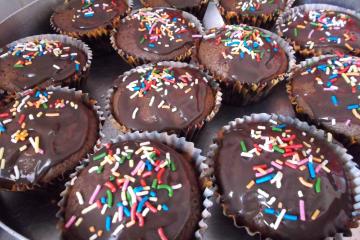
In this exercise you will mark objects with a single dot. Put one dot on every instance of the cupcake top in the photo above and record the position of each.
(84, 16)
(181, 4)
(322, 31)
(40, 62)
(162, 98)
(282, 182)
(328, 91)
(253, 7)
(135, 189)
(39, 132)
(243, 53)
(156, 34)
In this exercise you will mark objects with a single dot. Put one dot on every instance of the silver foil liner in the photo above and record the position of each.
(137, 61)
(173, 141)
(191, 131)
(350, 167)
(72, 42)
(293, 12)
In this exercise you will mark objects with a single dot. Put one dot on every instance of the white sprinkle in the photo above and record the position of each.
(93, 169)
(279, 218)
(145, 212)
(145, 143)
(2, 164)
(16, 171)
(263, 193)
(271, 201)
(78, 222)
(231, 194)
(73, 181)
(118, 230)
(103, 210)
(329, 137)
(152, 101)
(161, 104)
(177, 186)
(115, 218)
(80, 198)
(89, 208)
(93, 237)
(56, 67)
(300, 194)
(134, 113)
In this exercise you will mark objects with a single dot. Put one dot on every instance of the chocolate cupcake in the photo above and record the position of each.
(253, 12)
(325, 91)
(45, 134)
(318, 29)
(247, 61)
(194, 6)
(168, 96)
(141, 186)
(152, 35)
(282, 179)
(42, 61)
(89, 18)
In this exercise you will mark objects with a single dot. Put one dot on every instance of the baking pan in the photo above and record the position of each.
(31, 215)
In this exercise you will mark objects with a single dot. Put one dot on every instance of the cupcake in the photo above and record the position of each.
(253, 12)
(141, 186)
(247, 61)
(90, 18)
(325, 91)
(282, 179)
(318, 29)
(156, 34)
(168, 96)
(44, 134)
(194, 6)
(42, 61)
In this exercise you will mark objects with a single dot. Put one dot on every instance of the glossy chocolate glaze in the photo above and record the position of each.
(70, 18)
(172, 3)
(244, 70)
(302, 36)
(179, 222)
(267, 8)
(234, 172)
(187, 107)
(136, 42)
(41, 73)
(63, 140)
(315, 100)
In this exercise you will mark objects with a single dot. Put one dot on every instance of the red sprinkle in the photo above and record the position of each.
(151, 207)
(21, 118)
(110, 186)
(141, 219)
(159, 175)
(162, 234)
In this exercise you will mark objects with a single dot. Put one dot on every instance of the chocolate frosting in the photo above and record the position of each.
(71, 17)
(311, 32)
(178, 222)
(223, 62)
(187, 99)
(44, 70)
(137, 37)
(315, 91)
(60, 137)
(173, 3)
(253, 7)
(235, 171)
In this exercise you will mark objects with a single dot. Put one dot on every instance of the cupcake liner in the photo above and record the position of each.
(173, 141)
(262, 20)
(100, 116)
(292, 12)
(190, 132)
(241, 94)
(137, 61)
(77, 80)
(93, 34)
(347, 140)
(350, 167)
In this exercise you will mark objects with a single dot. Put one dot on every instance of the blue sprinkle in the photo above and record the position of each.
(353, 106)
(138, 189)
(290, 217)
(264, 179)
(332, 76)
(141, 204)
(165, 207)
(242, 55)
(136, 88)
(311, 170)
(151, 45)
(103, 200)
(152, 194)
(108, 223)
(269, 211)
(283, 125)
(174, 19)
(148, 165)
(334, 100)
(77, 67)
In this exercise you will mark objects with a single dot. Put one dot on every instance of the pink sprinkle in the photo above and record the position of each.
(95, 193)
(310, 33)
(290, 165)
(275, 164)
(126, 183)
(120, 213)
(347, 123)
(302, 162)
(318, 168)
(70, 222)
(258, 174)
(197, 36)
(302, 210)
(137, 168)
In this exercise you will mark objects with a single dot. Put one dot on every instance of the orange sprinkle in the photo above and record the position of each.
(315, 214)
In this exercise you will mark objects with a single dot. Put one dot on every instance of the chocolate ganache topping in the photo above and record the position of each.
(173, 3)
(41, 130)
(162, 98)
(254, 7)
(328, 92)
(88, 15)
(282, 182)
(40, 63)
(243, 53)
(323, 30)
(134, 190)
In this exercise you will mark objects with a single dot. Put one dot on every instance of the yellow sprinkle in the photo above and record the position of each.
(52, 114)
(2, 164)
(39, 114)
(2, 149)
(315, 214)
(250, 184)
(78, 222)
(305, 183)
(116, 174)
(356, 114)
(317, 159)
(37, 144)
(349, 47)
(23, 148)
(300, 26)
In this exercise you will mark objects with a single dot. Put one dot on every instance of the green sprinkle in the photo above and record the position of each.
(45, 105)
(99, 156)
(129, 156)
(275, 129)
(279, 150)
(109, 198)
(168, 188)
(122, 159)
(318, 185)
(112, 178)
(172, 166)
(152, 156)
(142, 40)
(18, 66)
(295, 32)
(100, 169)
(128, 197)
(154, 183)
(243, 146)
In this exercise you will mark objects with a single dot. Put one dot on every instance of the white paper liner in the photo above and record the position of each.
(57, 29)
(84, 97)
(350, 167)
(211, 82)
(69, 41)
(194, 10)
(180, 144)
(292, 12)
(138, 60)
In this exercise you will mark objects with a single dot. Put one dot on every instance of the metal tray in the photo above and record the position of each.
(31, 215)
